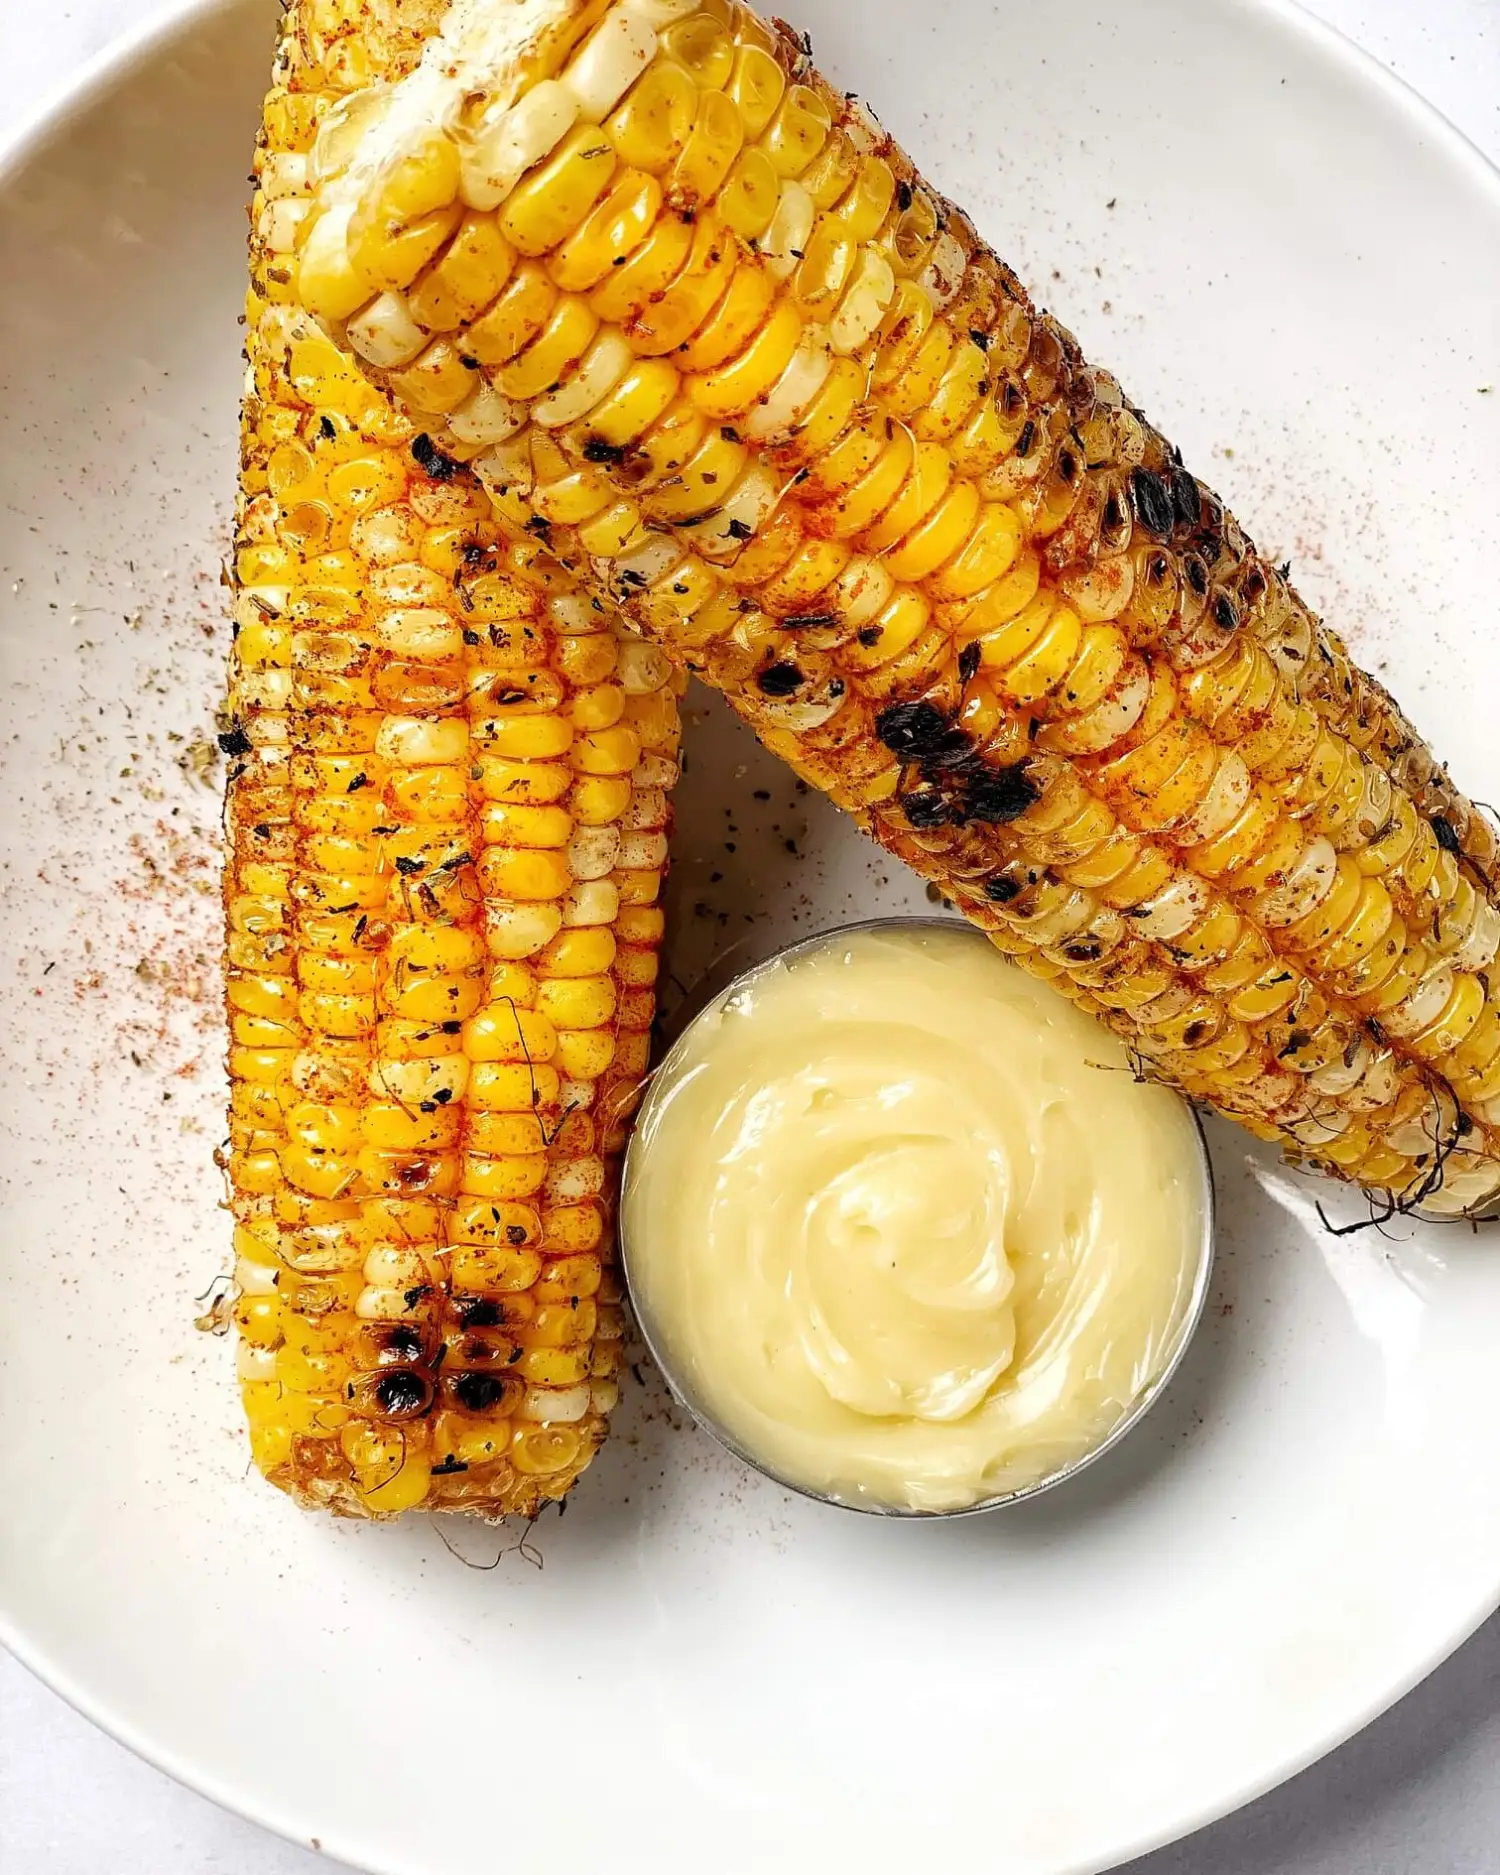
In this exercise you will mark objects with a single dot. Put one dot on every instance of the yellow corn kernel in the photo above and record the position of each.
(524, 873)
(577, 1002)
(522, 784)
(553, 354)
(551, 203)
(609, 233)
(554, 1367)
(493, 1269)
(514, 1087)
(465, 277)
(612, 751)
(584, 1054)
(584, 953)
(599, 800)
(542, 1451)
(506, 1178)
(504, 1032)
(515, 318)
(388, 252)
(526, 826)
(508, 1135)
(520, 738)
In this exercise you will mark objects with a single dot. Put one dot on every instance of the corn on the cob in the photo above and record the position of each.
(448, 817)
(701, 327)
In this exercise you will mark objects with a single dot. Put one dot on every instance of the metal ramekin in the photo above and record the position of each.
(1192, 1315)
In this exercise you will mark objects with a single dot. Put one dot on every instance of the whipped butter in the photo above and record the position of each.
(905, 1226)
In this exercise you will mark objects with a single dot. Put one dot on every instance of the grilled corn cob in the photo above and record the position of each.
(448, 821)
(701, 327)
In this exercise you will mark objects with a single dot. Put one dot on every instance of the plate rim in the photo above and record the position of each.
(58, 107)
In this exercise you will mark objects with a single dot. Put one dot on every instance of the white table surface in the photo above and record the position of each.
(1416, 1794)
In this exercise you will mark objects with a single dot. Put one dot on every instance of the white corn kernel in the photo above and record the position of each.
(647, 809)
(266, 690)
(486, 417)
(1478, 949)
(283, 173)
(786, 239)
(385, 334)
(592, 902)
(1308, 882)
(864, 303)
(944, 272)
(553, 1406)
(593, 852)
(643, 852)
(516, 931)
(1227, 794)
(500, 152)
(654, 771)
(1175, 908)
(789, 398)
(574, 1180)
(385, 1305)
(862, 589)
(611, 59)
(603, 365)
(650, 562)
(1423, 1007)
(441, 1079)
(744, 509)
(256, 1279)
(643, 667)
(390, 1268)
(422, 742)
(281, 223)
(252, 1364)
(577, 615)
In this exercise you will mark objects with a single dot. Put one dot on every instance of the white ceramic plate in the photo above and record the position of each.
(1298, 269)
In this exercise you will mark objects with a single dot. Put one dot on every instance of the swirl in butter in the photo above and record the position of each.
(905, 1226)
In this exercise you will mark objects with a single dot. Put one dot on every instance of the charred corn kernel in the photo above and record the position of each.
(407, 696)
(834, 457)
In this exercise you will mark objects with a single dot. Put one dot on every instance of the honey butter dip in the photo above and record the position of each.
(904, 1227)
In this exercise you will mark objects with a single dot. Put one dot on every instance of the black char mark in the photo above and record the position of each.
(779, 680)
(1186, 499)
(997, 795)
(926, 808)
(919, 732)
(1152, 501)
(477, 1393)
(402, 1394)
(431, 460)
